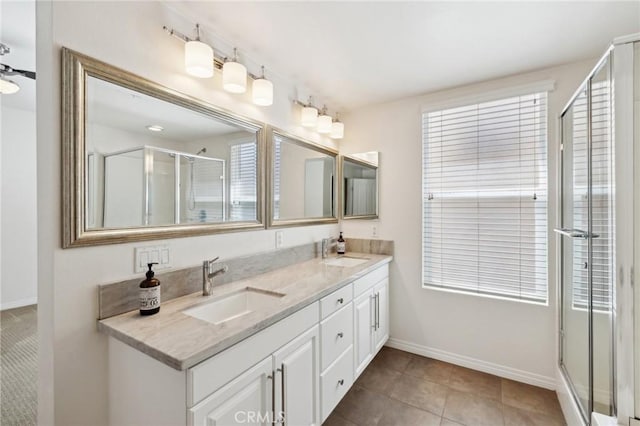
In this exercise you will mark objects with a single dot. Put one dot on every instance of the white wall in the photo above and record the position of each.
(73, 355)
(508, 338)
(18, 281)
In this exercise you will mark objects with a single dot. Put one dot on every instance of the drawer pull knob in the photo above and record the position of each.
(341, 382)
(341, 300)
(340, 335)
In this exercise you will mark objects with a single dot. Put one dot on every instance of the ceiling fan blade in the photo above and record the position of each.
(28, 74)
(7, 70)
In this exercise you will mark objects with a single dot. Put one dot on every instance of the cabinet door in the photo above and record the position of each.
(362, 331)
(297, 367)
(246, 400)
(381, 292)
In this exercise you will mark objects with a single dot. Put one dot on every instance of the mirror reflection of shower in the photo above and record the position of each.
(167, 186)
(192, 193)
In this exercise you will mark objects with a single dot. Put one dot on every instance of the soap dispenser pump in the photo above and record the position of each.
(150, 293)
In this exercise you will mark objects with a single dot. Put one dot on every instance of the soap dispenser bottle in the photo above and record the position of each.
(150, 293)
(341, 246)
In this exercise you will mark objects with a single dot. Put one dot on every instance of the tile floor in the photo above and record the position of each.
(402, 389)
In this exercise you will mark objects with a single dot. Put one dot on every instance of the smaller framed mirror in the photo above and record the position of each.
(359, 185)
(302, 181)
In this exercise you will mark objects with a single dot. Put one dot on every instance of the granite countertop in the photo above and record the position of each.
(182, 341)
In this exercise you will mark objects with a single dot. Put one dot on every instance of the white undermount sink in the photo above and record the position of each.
(234, 305)
(346, 261)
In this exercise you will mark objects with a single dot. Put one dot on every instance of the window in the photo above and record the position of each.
(485, 198)
(243, 182)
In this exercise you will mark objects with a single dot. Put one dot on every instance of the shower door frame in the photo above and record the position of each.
(586, 84)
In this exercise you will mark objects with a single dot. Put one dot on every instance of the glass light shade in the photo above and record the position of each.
(309, 116)
(262, 91)
(234, 77)
(7, 87)
(324, 124)
(198, 59)
(337, 130)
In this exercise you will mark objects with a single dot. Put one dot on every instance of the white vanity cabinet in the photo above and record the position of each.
(283, 386)
(370, 316)
(297, 387)
(294, 372)
(247, 399)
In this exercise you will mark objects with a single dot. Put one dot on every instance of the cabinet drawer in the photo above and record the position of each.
(336, 300)
(364, 283)
(336, 334)
(335, 382)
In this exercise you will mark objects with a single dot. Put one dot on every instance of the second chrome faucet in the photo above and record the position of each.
(208, 272)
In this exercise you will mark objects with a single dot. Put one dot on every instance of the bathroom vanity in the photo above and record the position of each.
(282, 346)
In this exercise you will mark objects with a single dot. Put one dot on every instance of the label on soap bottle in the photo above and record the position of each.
(149, 298)
(341, 246)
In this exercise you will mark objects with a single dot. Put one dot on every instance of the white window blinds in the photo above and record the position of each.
(485, 198)
(243, 182)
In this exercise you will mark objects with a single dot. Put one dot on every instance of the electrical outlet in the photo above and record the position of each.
(278, 239)
(160, 254)
(374, 231)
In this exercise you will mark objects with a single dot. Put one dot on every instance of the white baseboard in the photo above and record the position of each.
(18, 303)
(475, 364)
(567, 403)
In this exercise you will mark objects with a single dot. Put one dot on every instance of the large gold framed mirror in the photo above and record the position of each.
(302, 181)
(142, 161)
(359, 185)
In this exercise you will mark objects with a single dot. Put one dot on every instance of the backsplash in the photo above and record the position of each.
(120, 297)
(361, 245)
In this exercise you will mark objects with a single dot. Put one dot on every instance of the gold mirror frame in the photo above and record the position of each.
(279, 223)
(360, 161)
(75, 70)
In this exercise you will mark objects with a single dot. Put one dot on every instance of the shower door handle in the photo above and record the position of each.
(574, 233)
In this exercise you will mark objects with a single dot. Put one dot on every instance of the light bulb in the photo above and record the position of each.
(309, 116)
(324, 123)
(234, 75)
(262, 91)
(337, 130)
(198, 59)
(8, 87)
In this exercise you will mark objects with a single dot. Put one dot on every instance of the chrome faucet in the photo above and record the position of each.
(326, 246)
(208, 273)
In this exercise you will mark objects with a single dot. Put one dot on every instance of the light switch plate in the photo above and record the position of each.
(160, 254)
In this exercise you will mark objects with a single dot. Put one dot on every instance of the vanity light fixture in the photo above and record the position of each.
(262, 91)
(324, 122)
(309, 115)
(8, 87)
(234, 75)
(337, 129)
(155, 128)
(198, 57)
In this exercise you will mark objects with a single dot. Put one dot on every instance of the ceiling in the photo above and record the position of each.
(18, 31)
(121, 108)
(350, 54)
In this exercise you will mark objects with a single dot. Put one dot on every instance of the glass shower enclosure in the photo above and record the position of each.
(587, 244)
(162, 187)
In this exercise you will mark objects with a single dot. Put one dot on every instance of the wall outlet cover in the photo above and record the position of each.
(160, 254)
